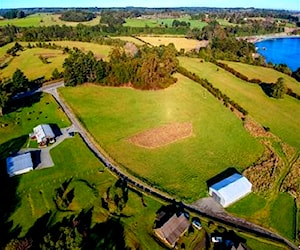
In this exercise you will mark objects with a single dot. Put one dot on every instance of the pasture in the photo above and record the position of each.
(179, 42)
(129, 39)
(124, 112)
(44, 19)
(162, 22)
(29, 62)
(266, 75)
(278, 114)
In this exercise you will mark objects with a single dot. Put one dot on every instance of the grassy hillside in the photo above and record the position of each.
(28, 59)
(135, 22)
(280, 115)
(264, 74)
(188, 163)
(44, 19)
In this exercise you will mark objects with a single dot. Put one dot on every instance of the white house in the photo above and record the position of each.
(43, 134)
(19, 164)
(230, 189)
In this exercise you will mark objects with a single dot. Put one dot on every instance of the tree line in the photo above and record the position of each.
(148, 68)
(77, 16)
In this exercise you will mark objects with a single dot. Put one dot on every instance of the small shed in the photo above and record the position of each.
(43, 134)
(19, 164)
(173, 229)
(230, 189)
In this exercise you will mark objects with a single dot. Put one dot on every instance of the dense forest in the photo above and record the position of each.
(77, 16)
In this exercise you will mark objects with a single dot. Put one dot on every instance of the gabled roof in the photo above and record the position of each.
(43, 131)
(173, 229)
(19, 164)
(227, 181)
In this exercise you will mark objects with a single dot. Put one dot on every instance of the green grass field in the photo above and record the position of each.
(28, 60)
(264, 74)
(44, 19)
(179, 42)
(135, 22)
(124, 112)
(37, 110)
(280, 115)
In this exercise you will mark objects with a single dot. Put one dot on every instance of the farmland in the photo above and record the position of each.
(267, 111)
(157, 22)
(179, 42)
(266, 75)
(28, 60)
(44, 19)
(191, 161)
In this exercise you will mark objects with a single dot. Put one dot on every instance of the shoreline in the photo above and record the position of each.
(260, 38)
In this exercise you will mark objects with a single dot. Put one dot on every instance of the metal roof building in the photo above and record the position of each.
(43, 132)
(19, 164)
(230, 189)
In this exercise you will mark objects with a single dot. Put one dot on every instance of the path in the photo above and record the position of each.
(206, 210)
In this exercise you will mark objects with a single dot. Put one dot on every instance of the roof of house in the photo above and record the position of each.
(19, 164)
(233, 187)
(43, 131)
(173, 228)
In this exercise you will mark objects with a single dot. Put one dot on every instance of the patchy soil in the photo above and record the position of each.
(162, 136)
(255, 129)
(48, 55)
(265, 171)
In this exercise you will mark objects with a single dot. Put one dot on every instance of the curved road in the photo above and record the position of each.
(222, 217)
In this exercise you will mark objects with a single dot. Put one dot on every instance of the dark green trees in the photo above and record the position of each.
(278, 89)
(149, 68)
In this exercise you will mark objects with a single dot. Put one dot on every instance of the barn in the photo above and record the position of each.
(230, 189)
(19, 164)
(43, 134)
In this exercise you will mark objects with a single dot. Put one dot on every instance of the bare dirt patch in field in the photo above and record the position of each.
(48, 55)
(162, 136)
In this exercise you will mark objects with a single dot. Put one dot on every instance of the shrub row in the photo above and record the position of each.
(214, 91)
(245, 78)
(237, 74)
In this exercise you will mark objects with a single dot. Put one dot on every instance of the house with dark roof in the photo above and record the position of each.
(173, 229)
(230, 189)
(19, 164)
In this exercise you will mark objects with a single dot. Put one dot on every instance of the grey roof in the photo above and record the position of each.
(19, 164)
(42, 132)
(173, 229)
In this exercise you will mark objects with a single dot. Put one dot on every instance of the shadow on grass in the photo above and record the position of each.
(228, 172)
(10, 201)
(12, 146)
(56, 130)
(26, 101)
(267, 89)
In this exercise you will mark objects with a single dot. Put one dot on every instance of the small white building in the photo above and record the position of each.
(43, 134)
(19, 164)
(230, 189)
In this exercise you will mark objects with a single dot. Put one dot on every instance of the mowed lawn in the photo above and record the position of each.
(219, 141)
(280, 115)
(179, 42)
(264, 74)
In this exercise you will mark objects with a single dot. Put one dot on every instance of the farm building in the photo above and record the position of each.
(43, 134)
(173, 229)
(230, 189)
(19, 164)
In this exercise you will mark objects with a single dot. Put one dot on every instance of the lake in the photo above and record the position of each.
(281, 50)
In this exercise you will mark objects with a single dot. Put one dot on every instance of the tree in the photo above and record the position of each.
(56, 74)
(3, 100)
(19, 82)
(296, 74)
(278, 89)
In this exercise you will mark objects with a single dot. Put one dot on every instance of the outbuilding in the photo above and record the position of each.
(19, 164)
(173, 229)
(43, 134)
(230, 189)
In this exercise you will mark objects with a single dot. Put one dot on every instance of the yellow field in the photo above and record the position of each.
(129, 39)
(179, 42)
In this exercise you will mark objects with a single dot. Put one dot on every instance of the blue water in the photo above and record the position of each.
(281, 50)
